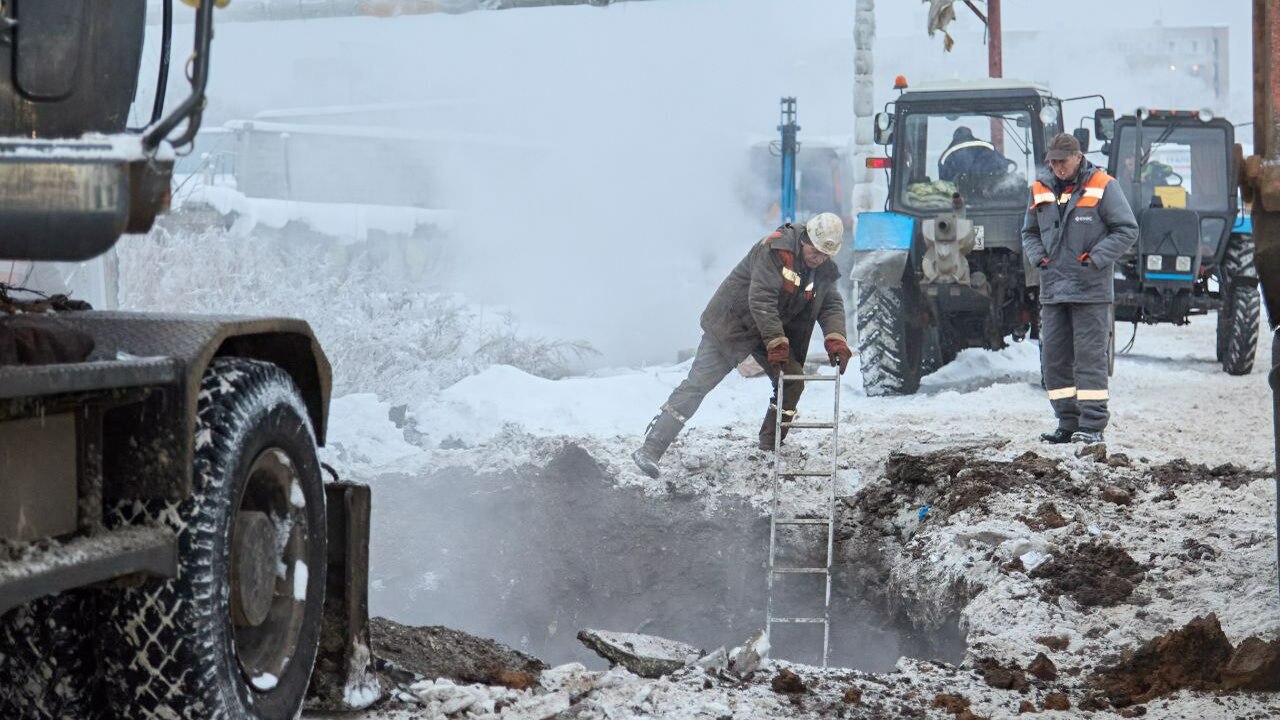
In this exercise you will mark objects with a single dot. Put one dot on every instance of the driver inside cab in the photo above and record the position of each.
(967, 155)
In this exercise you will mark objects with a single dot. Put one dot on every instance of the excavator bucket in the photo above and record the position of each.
(344, 678)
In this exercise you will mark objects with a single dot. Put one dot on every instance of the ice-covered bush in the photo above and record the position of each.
(398, 339)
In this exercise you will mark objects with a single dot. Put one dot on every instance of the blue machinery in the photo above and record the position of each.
(788, 127)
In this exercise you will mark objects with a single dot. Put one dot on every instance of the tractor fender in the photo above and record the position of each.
(881, 248)
(152, 442)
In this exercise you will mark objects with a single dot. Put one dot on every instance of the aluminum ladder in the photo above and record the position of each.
(827, 521)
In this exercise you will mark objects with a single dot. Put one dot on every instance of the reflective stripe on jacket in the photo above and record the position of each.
(1082, 242)
(762, 299)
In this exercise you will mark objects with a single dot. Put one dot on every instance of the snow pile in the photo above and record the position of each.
(346, 222)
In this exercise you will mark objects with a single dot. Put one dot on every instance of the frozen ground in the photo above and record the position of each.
(1204, 546)
(1169, 399)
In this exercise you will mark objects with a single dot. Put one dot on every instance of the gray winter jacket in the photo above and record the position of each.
(771, 295)
(1097, 229)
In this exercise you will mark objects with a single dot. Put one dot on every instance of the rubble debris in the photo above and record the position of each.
(1255, 665)
(1057, 643)
(1119, 496)
(1180, 472)
(787, 681)
(405, 654)
(852, 696)
(714, 661)
(1133, 712)
(1190, 657)
(1119, 460)
(1043, 668)
(1096, 451)
(1094, 575)
(745, 660)
(1049, 515)
(961, 481)
(1056, 701)
(1026, 706)
(954, 704)
(1001, 677)
(645, 655)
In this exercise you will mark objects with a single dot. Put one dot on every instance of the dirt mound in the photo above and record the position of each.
(1179, 472)
(1197, 656)
(438, 652)
(1093, 574)
(959, 481)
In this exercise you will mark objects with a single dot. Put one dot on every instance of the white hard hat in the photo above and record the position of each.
(826, 232)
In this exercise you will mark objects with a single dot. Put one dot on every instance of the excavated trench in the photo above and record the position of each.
(530, 557)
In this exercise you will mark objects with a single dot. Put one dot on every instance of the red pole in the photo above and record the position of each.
(995, 64)
(995, 61)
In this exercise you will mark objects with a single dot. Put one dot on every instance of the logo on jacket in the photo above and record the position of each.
(1084, 218)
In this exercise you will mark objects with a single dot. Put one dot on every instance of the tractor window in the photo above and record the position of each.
(1184, 166)
(986, 157)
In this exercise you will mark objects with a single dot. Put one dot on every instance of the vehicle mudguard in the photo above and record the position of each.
(149, 443)
(882, 247)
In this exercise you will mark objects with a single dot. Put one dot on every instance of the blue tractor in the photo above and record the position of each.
(1195, 251)
(942, 269)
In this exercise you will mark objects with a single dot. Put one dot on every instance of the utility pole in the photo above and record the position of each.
(864, 39)
(995, 57)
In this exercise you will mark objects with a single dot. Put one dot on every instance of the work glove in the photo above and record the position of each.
(1044, 262)
(779, 352)
(1085, 260)
(837, 351)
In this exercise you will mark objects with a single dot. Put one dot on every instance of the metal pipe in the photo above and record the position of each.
(193, 107)
(166, 46)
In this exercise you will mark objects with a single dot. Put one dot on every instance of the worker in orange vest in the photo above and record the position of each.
(1078, 225)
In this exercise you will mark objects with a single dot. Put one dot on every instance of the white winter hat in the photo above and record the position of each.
(826, 232)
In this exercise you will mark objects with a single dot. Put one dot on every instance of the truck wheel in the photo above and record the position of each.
(235, 633)
(46, 658)
(889, 344)
(1238, 317)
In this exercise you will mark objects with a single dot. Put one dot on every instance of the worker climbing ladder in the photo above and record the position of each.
(827, 520)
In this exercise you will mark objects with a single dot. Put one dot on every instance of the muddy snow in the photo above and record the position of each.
(1133, 580)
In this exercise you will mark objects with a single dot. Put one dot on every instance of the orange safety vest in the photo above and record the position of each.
(1093, 189)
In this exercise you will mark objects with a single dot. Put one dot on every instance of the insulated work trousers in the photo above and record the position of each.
(710, 365)
(1075, 347)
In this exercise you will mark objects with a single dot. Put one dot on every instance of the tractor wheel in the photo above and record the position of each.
(47, 658)
(234, 635)
(890, 345)
(1238, 317)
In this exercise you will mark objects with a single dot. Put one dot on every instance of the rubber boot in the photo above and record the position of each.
(790, 400)
(658, 436)
(766, 427)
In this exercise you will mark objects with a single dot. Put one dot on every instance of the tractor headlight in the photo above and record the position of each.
(1205, 115)
(1155, 262)
(1183, 263)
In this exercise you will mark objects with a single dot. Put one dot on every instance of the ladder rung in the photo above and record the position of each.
(814, 570)
(797, 620)
(812, 378)
(803, 521)
(827, 426)
(807, 473)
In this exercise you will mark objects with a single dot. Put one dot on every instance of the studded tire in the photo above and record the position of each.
(182, 648)
(890, 345)
(46, 658)
(1238, 317)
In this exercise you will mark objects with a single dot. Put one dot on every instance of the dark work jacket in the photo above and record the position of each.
(1103, 231)
(764, 298)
